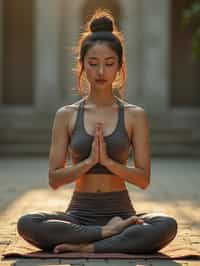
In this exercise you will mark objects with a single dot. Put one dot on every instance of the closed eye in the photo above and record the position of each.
(106, 64)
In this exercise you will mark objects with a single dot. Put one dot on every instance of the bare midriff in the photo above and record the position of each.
(100, 183)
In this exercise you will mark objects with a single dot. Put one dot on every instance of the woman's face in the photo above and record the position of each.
(101, 66)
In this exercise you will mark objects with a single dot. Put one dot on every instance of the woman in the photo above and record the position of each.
(99, 130)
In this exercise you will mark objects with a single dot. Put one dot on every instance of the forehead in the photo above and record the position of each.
(100, 50)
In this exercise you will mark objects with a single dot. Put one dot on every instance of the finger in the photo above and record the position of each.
(97, 133)
(97, 136)
(99, 125)
(137, 220)
(100, 131)
(97, 141)
(60, 248)
(97, 129)
(140, 221)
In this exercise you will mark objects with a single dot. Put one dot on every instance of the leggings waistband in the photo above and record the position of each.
(101, 202)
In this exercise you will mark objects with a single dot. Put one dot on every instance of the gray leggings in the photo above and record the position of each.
(83, 220)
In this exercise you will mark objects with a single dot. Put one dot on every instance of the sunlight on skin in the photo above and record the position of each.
(114, 222)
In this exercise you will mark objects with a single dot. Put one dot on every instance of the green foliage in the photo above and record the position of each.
(191, 17)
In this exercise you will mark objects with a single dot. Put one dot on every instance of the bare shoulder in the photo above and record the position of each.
(134, 112)
(64, 113)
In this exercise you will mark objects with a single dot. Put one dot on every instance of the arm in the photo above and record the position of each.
(58, 174)
(138, 175)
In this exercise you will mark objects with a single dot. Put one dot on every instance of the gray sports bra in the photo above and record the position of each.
(117, 142)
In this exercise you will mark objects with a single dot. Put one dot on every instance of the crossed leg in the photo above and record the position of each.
(154, 233)
(46, 230)
(115, 226)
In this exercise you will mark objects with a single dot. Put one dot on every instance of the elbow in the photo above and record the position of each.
(145, 185)
(52, 183)
(146, 182)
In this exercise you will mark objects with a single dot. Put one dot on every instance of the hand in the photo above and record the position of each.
(98, 152)
(103, 156)
(94, 155)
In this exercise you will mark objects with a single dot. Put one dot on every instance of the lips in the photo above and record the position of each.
(100, 80)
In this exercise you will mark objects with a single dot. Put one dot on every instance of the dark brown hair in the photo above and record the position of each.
(101, 28)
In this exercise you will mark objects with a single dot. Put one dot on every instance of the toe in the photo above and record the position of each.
(60, 248)
(140, 221)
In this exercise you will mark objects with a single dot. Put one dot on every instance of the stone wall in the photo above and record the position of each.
(146, 28)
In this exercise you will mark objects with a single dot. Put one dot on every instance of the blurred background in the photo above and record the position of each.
(36, 62)
(162, 40)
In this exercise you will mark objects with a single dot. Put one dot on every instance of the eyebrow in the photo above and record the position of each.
(107, 58)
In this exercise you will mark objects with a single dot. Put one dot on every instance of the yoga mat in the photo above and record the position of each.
(179, 248)
(175, 250)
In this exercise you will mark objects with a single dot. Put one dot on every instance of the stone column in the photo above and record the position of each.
(155, 54)
(1, 51)
(131, 30)
(71, 32)
(47, 54)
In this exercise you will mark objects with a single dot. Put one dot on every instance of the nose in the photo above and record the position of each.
(101, 70)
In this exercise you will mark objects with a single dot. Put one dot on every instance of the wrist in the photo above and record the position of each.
(89, 162)
(107, 163)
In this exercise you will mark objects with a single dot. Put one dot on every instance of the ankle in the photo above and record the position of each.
(87, 248)
(108, 230)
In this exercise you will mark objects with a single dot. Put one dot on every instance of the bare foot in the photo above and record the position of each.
(114, 220)
(61, 248)
(117, 224)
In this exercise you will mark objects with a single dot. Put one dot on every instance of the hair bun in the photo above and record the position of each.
(101, 24)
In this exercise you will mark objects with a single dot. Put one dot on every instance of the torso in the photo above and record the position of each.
(100, 182)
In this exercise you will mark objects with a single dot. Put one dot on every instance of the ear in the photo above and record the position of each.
(119, 70)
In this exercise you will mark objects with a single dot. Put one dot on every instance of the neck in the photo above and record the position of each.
(101, 98)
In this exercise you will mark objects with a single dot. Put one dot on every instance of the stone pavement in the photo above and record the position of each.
(174, 189)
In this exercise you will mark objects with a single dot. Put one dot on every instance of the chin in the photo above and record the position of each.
(100, 87)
